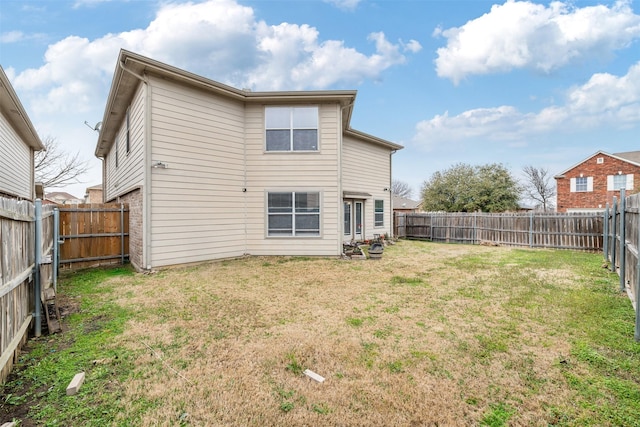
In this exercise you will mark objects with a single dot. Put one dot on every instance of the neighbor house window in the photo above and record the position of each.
(618, 182)
(581, 184)
(293, 214)
(379, 213)
(291, 128)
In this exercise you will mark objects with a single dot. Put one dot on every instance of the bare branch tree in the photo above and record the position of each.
(538, 186)
(401, 189)
(56, 168)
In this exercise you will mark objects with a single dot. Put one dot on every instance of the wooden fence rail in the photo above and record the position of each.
(535, 230)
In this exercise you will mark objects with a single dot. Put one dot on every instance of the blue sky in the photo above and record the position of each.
(516, 82)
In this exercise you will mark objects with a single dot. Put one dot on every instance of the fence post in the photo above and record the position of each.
(431, 227)
(56, 247)
(637, 292)
(623, 239)
(614, 212)
(605, 233)
(36, 277)
(122, 233)
(531, 229)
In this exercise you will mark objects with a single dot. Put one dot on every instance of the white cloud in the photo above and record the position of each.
(18, 36)
(293, 58)
(11, 36)
(344, 4)
(412, 46)
(521, 34)
(605, 100)
(219, 39)
(81, 3)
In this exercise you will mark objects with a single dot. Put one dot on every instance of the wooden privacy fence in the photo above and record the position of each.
(535, 230)
(622, 244)
(26, 233)
(34, 238)
(93, 234)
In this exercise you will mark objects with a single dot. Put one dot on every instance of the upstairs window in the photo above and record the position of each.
(618, 182)
(581, 184)
(293, 214)
(291, 128)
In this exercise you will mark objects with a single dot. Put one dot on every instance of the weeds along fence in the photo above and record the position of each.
(36, 240)
(621, 247)
(576, 231)
(26, 233)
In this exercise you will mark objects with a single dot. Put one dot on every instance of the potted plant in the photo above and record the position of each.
(375, 250)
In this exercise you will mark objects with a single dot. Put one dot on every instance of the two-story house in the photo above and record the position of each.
(592, 183)
(210, 171)
(18, 143)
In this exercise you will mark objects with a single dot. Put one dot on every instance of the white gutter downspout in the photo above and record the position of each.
(391, 228)
(340, 188)
(146, 193)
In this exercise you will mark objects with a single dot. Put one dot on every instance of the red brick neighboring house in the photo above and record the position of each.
(592, 183)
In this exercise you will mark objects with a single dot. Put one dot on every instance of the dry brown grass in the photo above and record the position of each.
(429, 335)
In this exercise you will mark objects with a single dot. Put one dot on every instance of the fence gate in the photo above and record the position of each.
(93, 234)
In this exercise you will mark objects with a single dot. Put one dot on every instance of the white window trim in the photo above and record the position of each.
(628, 184)
(293, 235)
(292, 128)
(375, 225)
(574, 188)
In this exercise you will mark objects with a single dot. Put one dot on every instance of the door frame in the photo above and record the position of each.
(356, 224)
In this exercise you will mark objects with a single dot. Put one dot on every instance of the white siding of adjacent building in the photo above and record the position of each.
(16, 163)
(366, 168)
(285, 172)
(197, 202)
(129, 174)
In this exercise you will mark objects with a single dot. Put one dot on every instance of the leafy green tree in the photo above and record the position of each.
(466, 188)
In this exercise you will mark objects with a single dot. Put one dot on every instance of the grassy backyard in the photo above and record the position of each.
(432, 334)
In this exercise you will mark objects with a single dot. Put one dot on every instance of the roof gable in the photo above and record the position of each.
(131, 69)
(632, 157)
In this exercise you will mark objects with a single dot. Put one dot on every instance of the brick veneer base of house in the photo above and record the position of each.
(134, 200)
(599, 197)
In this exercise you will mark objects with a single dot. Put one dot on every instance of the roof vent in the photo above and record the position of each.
(600, 160)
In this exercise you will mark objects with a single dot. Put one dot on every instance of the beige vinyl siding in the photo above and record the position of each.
(365, 168)
(197, 203)
(293, 171)
(16, 163)
(130, 171)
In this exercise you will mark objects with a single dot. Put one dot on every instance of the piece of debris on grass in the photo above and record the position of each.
(313, 375)
(75, 384)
